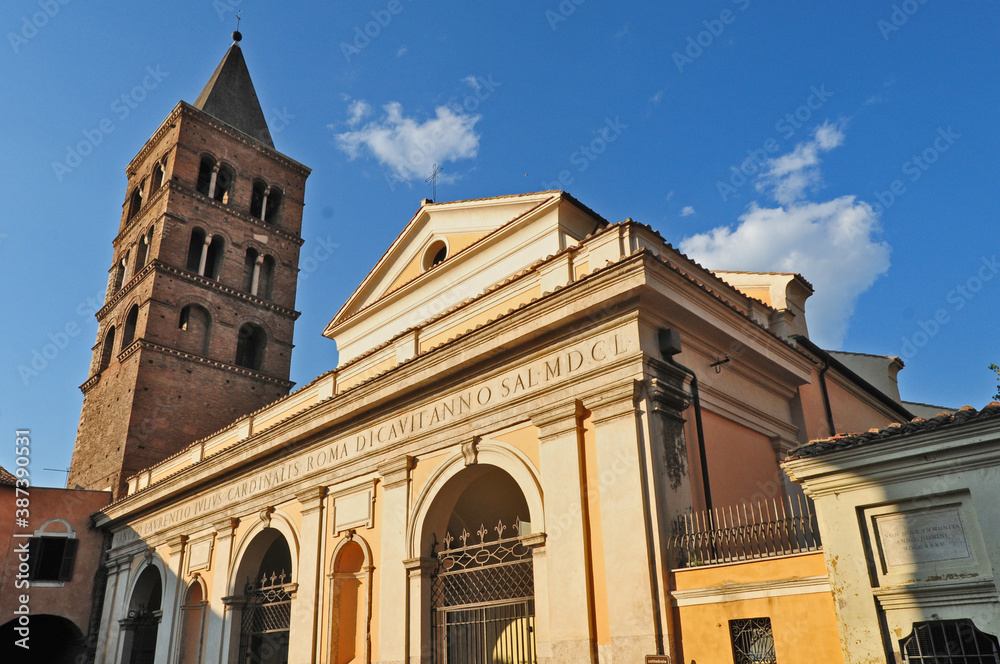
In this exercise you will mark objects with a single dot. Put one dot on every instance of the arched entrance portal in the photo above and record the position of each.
(265, 573)
(482, 589)
(142, 622)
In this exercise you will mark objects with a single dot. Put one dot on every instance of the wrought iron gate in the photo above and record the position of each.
(483, 600)
(264, 624)
(143, 625)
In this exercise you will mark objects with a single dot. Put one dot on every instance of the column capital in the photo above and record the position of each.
(614, 401)
(419, 566)
(226, 527)
(396, 471)
(176, 543)
(557, 419)
(311, 499)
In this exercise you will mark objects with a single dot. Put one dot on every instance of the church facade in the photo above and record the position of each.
(537, 426)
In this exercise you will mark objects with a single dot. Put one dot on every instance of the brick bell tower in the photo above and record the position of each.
(196, 328)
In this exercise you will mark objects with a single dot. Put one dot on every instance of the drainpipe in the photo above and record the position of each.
(826, 396)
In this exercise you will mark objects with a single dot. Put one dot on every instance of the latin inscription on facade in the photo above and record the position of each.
(922, 537)
(546, 371)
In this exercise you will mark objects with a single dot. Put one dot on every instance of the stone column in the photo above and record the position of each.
(114, 602)
(204, 255)
(217, 639)
(173, 595)
(568, 637)
(211, 182)
(392, 575)
(633, 619)
(263, 204)
(419, 572)
(302, 631)
(255, 279)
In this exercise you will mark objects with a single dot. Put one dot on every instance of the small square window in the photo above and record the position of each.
(52, 558)
(753, 641)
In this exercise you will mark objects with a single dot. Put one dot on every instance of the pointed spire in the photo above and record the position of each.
(229, 96)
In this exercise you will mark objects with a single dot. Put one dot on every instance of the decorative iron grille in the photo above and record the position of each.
(745, 532)
(483, 600)
(753, 641)
(949, 642)
(266, 617)
(144, 626)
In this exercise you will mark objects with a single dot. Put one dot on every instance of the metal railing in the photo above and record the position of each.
(748, 531)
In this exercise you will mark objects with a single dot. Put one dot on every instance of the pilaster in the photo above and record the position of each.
(302, 631)
(568, 635)
(170, 604)
(395, 513)
(220, 615)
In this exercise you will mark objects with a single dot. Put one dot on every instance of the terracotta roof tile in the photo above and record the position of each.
(965, 415)
(6, 478)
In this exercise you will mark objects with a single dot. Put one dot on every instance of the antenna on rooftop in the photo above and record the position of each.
(432, 178)
(237, 35)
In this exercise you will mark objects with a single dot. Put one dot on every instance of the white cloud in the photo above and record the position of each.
(786, 178)
(356, 111)
(407, 147)
(833, 244)
(687, 211)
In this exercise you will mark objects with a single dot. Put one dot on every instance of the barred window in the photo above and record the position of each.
(947, 642)
(753, 641)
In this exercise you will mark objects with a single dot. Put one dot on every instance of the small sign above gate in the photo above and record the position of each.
(657, 659)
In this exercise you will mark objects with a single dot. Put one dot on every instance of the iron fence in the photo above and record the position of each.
(748, 531)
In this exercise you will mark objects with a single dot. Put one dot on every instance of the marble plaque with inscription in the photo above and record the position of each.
(911, 538)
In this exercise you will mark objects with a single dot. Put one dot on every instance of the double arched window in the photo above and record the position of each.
(264, 202)
(194, 329)
(215, 180)
(258, 274)
(205, 254)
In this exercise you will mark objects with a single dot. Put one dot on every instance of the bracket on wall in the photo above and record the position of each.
(470, 450)
(265, 516)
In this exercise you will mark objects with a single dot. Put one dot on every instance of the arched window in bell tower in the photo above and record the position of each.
(251, 271)
(157, 180)
(223, 183)
(213, 257)
(250, 346)
(107, 349)
(194, 249)
(205, 172)
(135, 200)
(265, 284)
(131, 320)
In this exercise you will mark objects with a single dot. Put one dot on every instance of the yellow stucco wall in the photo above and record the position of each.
(804, 625)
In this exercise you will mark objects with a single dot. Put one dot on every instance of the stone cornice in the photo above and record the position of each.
(243, 216)
(614, 402)
(226, 527)
(256, 375)
(141, 214)
(311, 499)
(903, 459)
(204, 282)
(184, 108)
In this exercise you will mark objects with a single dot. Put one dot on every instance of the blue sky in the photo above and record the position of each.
(855, 143)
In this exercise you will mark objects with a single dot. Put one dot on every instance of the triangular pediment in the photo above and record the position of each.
(455, 227)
